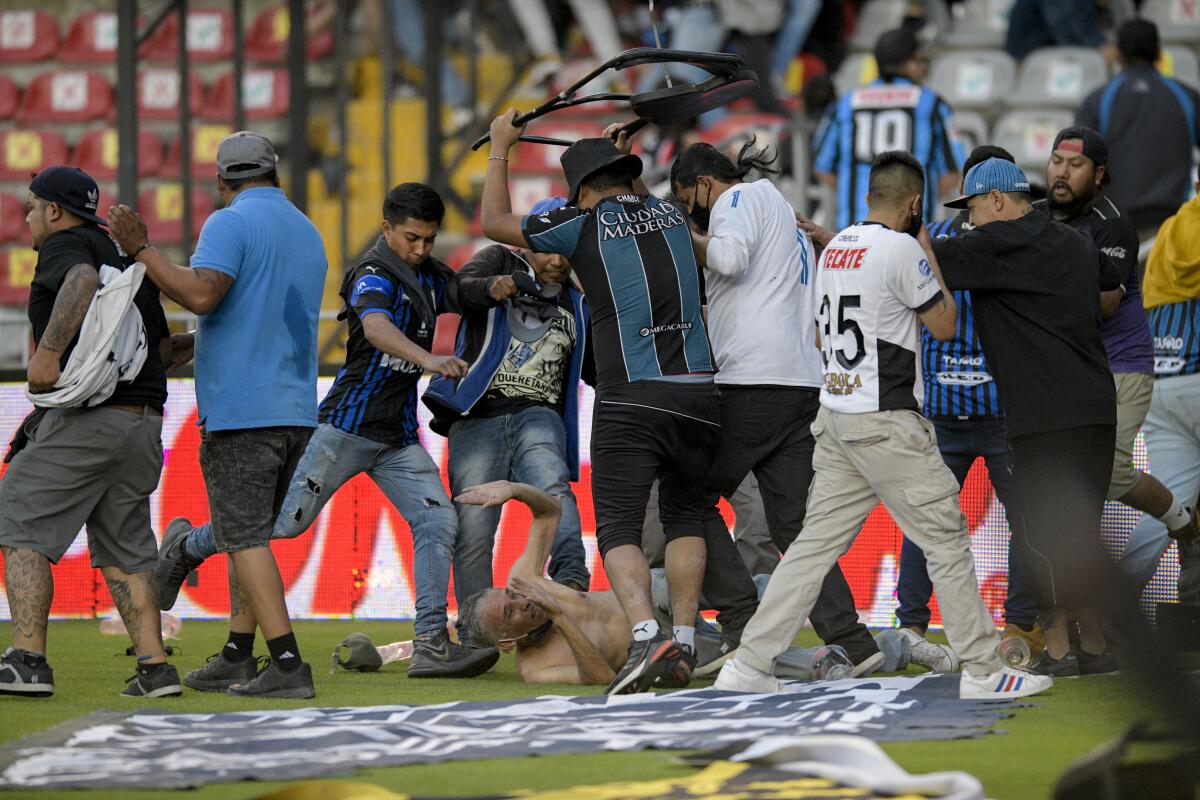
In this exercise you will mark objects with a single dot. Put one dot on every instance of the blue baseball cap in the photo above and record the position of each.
(547, 205)
(995, 174)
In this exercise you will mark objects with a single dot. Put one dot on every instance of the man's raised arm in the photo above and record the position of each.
(546, 511)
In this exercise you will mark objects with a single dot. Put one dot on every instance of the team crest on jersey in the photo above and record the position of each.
(842, 383)
(924, 267)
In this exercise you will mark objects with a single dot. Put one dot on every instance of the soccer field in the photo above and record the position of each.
(1020, 763)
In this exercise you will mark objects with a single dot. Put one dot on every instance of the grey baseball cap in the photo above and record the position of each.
(245, 154)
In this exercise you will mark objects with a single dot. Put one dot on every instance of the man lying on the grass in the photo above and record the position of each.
(564, 636)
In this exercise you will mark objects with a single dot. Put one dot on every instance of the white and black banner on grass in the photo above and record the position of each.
(162, 750)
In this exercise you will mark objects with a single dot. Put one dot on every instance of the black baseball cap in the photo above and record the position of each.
(895, 47)
(1092, 145)
(587, 157)
(71, 188)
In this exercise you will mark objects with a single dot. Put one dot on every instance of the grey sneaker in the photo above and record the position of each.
(160, 683)
(271, 681)
(711, 656)
(934, 657)
(174, 563)
(437, 657)
(219, 673)
(24, 674)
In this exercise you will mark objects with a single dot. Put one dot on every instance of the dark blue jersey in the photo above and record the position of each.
(633, 256)
(957, 382)
(885, 115)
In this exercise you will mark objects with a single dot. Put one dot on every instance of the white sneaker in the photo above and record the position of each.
(738, 677)
(1003, 685)
(932, 656)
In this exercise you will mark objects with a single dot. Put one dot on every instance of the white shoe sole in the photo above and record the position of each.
(714, 666)
(868, 665)
(969, 691)
(28, 689)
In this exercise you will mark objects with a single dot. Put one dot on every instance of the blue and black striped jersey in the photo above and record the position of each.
(957, 382)
(885, 115)
(633, 256)
(1176, 331)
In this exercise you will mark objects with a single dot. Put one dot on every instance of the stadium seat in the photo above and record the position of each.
(982, 23)
(971, 127)
(979, 79)
(444, 334)
(540, 158)
(1029, 134)
(1060, 76)
(266, 40)
(16, 273)
(209, 36)
(64, 96)
(97, 153)
(23, 152)
(1177, 20)
(264, 95)
(528, 190)
(205, 140)
(10, 97)
(158, 94)
(1176, 62)
(91, 39)
(27, 36)
(876, 17)
(12, 218)
(857, 70)
(162, 209)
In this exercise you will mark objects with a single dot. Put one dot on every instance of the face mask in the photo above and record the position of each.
(700, 216)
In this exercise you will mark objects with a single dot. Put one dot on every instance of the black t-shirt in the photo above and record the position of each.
(1035, 289)
(88, 244)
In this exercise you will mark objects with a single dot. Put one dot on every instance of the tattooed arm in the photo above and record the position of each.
(70, 307)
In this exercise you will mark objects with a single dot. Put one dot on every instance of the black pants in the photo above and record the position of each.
(1059, 483)
(766, 429)
(647, 431)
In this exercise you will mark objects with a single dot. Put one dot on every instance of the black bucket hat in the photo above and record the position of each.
(587, 157)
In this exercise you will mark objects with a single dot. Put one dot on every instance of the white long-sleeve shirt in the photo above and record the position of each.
(760, 279)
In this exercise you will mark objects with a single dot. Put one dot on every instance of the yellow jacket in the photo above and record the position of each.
(1173, 268)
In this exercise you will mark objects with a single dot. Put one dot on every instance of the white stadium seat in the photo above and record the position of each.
(980, 79)
(1177, 20)
(1029, 134)
(1060, 76)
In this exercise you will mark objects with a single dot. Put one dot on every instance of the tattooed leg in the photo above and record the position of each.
(136, 598)
(241, 616)
(30, 589)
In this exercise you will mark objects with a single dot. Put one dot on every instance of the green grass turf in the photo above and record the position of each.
(1020, 764)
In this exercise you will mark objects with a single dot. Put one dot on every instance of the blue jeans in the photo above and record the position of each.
(801, 15)
(961, 442)
(408, 478)
(1172, 431)
(529, 446)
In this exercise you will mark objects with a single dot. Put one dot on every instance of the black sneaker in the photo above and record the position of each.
(219, 673)
(678, 673)
(647, 661)
(1065, 667)
(437, 657)
(711, 656)
(271, 681)
(159, 683)
(24, 674)
(1103, 664)
(174, 563)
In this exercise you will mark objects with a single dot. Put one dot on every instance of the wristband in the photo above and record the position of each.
(497, 158)
(145, 244)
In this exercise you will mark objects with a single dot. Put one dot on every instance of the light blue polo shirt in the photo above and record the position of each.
(256, 352)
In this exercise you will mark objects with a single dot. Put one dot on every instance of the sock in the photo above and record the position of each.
(645, 631)
(200, 543)
(1178, 516)
(146, 670)
(685, 635)
(239, 647)
(285, 652)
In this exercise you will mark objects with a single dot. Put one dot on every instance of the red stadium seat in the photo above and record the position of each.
(162, 209)
(12, 218)
(205, 140)
(444, 334)
(65, 96)
(158, 94)
(27, 36)
(97, 153)
(264, 95)
(544, 159)
(16, 273)
(10, 96)
(25, 152)
(209, 36)
(266, 41)
(91, 39)
(462, 253)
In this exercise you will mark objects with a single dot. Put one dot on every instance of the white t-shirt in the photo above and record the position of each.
(871, 284)
(759, 278)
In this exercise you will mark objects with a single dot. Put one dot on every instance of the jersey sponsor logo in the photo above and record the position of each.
(1171, 344)
(842, 383)
(671, 326)
(372, 284)
(1113, 252)
(619, 224)
(628, 198)
(397, 364)
(963, 378)
(845, 257)
(1168, 365)
(886, 97)
(924, 268)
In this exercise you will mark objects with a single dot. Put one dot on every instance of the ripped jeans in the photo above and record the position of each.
(408, 478)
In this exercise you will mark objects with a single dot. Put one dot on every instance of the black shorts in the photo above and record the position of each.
(647, 431)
